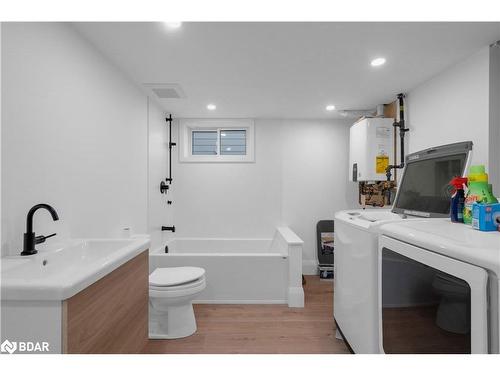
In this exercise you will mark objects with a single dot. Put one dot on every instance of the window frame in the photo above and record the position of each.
(187, 126)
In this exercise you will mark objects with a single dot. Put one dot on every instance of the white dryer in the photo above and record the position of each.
(422, 193)
(443, 296)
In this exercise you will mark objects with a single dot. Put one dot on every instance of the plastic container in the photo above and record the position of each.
(457, 199)
(478, 191)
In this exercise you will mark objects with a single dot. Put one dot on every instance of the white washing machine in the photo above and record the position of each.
(443, 296)
(422, 193)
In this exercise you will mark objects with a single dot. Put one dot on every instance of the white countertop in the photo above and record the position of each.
(455, 240)
(62, 270)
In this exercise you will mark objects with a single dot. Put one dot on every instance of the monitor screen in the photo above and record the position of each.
(425, 184)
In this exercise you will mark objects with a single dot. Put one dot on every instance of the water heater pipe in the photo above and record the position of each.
(402, 130)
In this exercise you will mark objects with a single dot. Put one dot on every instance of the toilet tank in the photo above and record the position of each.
(371, 149)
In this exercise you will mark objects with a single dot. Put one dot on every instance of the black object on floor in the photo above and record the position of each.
(324, 231)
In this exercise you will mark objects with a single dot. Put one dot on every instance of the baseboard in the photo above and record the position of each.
(241, 302)
(309, 267)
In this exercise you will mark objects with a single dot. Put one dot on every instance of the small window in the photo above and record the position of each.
(214, 140)
(204, 142)
(233, 142)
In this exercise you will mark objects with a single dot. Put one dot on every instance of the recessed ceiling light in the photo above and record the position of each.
(211, 107)
(378, 61)
(173, 25)
(330, 107)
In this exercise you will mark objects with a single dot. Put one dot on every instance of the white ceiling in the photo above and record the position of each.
(285, 70)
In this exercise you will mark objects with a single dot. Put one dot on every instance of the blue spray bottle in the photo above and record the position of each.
(457, 199)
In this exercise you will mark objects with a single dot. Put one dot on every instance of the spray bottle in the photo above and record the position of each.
(457, 199)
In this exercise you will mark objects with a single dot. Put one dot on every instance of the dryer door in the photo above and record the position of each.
(429, 303)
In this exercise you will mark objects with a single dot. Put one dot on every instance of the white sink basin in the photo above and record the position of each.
(60, 271)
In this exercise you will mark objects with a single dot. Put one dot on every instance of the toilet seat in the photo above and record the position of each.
(175, 282)
(185, 286)
(450, 285)
(183, 290)
(175, 276)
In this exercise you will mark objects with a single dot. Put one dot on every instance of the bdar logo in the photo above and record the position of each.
(8, 347)
(24, 346)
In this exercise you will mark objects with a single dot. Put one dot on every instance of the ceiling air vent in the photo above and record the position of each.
(166, 90)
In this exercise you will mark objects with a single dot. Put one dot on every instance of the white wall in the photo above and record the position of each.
(314, 178)
(494, 147)
(1, 26)
(159, 212)
(74, 135)
(453, 106)
(231, 199)
(298, 178)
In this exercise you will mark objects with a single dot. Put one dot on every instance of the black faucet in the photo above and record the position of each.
(29, 237)
(172, 229)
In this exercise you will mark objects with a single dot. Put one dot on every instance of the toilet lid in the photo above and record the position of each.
(175, 275)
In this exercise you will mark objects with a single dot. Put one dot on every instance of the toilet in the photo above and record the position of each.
(453, 314)
(171, 292)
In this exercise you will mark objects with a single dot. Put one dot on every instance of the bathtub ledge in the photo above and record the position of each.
(289, 236)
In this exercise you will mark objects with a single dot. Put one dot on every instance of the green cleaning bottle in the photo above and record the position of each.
(478, 191)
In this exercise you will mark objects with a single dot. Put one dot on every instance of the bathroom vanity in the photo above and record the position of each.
(76, 295)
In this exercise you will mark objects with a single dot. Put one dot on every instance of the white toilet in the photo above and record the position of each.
(171, 292)
(453, 314)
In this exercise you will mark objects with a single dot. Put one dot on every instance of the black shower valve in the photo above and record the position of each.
(163, 187)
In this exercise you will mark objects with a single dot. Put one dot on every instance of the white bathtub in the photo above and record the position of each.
(241, 271)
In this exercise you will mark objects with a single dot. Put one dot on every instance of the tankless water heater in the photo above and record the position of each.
(371, 149)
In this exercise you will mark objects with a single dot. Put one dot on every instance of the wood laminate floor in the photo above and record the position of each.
(413, 330)
(262, 329)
